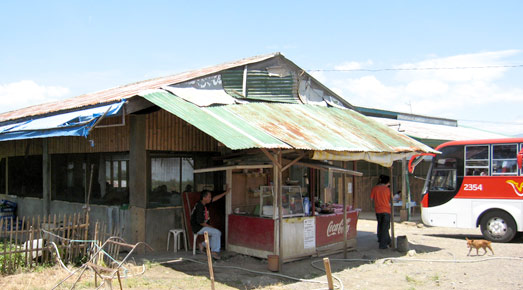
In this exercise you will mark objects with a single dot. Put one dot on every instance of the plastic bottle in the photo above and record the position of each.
(306, 206)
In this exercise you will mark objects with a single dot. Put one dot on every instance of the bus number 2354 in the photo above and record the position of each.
(473, 187)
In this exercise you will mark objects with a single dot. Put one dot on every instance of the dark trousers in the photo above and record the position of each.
(383, 229)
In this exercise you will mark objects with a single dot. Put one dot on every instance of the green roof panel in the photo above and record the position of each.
(230, 130)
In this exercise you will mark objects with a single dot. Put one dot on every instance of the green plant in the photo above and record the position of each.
(10, 262)
(435, 278)
(149, 264)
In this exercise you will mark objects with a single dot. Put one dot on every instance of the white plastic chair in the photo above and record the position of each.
(177, 235)
(195, 237)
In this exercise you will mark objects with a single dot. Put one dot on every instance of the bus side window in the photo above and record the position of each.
(477, 160)
(504, 159)
(476, 172)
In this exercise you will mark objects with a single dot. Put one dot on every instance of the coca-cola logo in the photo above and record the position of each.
(336, 229)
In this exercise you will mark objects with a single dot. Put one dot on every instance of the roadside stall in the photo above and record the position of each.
(252, 213)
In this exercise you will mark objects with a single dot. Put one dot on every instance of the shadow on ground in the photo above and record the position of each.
(516, 240)
(229, 271)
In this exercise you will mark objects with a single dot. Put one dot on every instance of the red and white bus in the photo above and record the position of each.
(476, 183)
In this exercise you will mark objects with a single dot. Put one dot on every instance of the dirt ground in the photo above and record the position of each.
(369, 268)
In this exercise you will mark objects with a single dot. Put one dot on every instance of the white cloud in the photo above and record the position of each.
(353, 65)
(463, 94)
(483, 59)
(370, 87)
(27, 93)
(426, 88)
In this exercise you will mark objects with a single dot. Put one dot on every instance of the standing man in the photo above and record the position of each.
(200, 221)
(380, 195)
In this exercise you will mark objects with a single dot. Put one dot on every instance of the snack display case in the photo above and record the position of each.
(292, 202)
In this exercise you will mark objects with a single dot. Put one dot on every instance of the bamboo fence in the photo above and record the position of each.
(27, 242)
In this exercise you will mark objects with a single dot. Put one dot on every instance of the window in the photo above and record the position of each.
(25, 176)
(68, 177)
(116, 173)
(2, 175)
(114, 180)
(504, 159)
(170, 176)
(477, 160)
(71, 177)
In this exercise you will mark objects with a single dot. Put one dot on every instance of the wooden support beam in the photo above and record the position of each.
(228, 205)
(269, 155)
(393, 238)
(331, 168)
(344, 192)
(46, 178)
(280, 213)
(293, 162)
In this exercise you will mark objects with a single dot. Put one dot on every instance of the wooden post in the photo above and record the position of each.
(228, 206)
(46, 178)
(6, 176)
(119, 280)
(327, 264)
(404, 190)
(280, 212)
(344, 192)
(354, 201)
(209, 258)
(393, 238)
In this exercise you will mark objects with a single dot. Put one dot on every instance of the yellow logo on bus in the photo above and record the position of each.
(518, 187)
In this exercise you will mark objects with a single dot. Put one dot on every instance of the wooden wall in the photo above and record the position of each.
(164, 132)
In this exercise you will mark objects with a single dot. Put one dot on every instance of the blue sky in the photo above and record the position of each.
(57, 49)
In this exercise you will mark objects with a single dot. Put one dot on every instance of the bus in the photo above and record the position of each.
(476, 183)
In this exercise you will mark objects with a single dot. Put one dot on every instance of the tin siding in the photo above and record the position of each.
(261, 85)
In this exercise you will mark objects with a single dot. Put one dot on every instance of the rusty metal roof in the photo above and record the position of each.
(227, 128)
(279, 125)
(126, 91)
(321, 128)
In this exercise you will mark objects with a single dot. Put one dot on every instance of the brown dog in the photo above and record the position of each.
(479, 244)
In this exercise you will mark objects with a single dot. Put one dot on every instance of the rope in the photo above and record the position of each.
(100, 249)
(428, 260)
(60, 259)
(253, 271)
(316, 267)
(93, 242)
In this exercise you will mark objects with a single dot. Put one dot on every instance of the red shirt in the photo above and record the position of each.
(381, 196)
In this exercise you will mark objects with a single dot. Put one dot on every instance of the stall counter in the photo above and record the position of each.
(302, 236)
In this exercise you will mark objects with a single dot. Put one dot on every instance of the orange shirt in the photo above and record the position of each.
(381, 196)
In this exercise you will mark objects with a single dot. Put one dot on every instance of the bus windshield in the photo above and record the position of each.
(443, 175)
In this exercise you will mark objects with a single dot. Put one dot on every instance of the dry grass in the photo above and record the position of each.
(155, 277)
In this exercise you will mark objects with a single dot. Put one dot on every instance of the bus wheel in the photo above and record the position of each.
(498, 226)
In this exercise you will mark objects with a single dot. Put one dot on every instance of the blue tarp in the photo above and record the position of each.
(77, 123)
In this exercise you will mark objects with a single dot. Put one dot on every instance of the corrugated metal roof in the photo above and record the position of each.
(228, 129)
(321, 128)
(276, 125)
(124, 92)
(436, 132)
